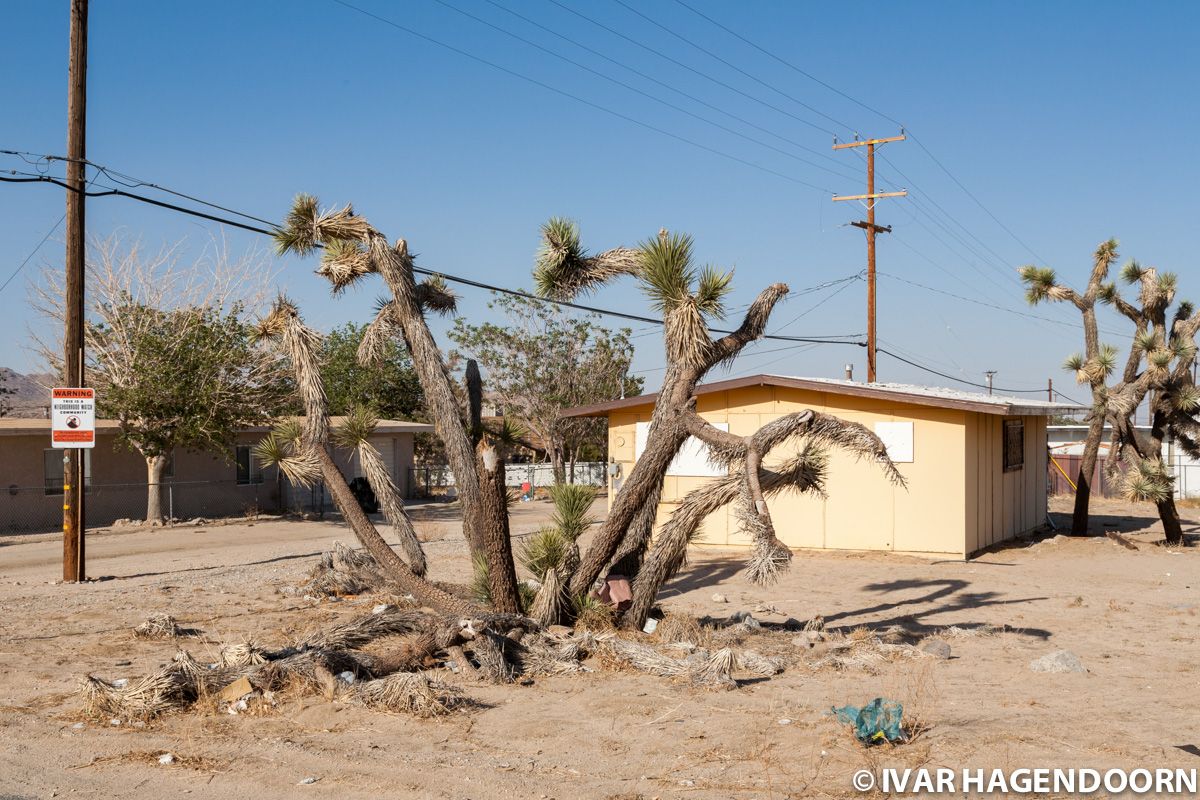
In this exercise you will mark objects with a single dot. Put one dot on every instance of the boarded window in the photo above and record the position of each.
(1014, 444)
(692, 458)
(248, 470)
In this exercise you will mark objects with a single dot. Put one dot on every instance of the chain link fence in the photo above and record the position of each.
(39, 509)
(428, 481)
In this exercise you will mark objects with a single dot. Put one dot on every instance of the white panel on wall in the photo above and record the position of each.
(692, 459)
(897, 437)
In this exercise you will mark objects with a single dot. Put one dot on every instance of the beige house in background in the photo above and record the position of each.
(196, 484)
(976, 464)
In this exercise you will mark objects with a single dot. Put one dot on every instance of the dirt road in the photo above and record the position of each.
(1130, 617)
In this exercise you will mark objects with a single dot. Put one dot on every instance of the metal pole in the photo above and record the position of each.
(990, 374)
(1050, 389)
(74, 561)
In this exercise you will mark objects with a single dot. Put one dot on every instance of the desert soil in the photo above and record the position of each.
(1130, 616)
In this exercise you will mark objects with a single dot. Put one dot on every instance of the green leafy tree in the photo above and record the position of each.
(546, 361)
(390, 387)
(171, 350)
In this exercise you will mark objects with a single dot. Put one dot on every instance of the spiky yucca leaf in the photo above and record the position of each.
(1184, 310)
(1146, 340)
(283, 448)
(1040, 283)
(1132, 272)
(711, 290)
(1159, 359)
(1106, 252)
(667, 273)
(545, 550)
(297, 234)
(572, 502)
(1074, 363)
(343, 262)
(564, 269)
(433, 294)
(357, 427)
(1187, 398)
(1168, 284)
(1182, 349)
(1107, 359)
(1149, 481)
(1108, 293)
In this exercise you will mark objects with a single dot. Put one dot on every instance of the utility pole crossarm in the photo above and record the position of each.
(870, 142)
(872, 229)
(873, 196)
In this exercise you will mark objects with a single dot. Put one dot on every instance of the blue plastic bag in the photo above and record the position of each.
(877, 721)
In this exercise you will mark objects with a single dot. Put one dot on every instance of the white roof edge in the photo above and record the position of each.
(1018, 404)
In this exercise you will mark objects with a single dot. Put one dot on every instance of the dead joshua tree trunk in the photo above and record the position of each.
(489, 466)
(502, 571)
(302, 456)
(397, 571)
(354, 249)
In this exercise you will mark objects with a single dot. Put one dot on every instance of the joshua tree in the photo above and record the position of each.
(354, 249)
(1092, 367)
(1158, 368)
(688, 298)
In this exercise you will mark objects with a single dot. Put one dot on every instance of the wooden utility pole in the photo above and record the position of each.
(73, 459)
(871, 228)
(1050, 389)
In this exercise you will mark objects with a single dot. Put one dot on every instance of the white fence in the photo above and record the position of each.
(426, 480)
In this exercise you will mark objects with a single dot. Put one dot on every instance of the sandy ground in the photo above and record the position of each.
(1131, 617)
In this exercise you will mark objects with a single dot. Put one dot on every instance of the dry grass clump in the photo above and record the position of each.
(864, 649)
(162, 626)
(141, 699)
(350, 635)
(955, 632)
(409, 693)
(342, 572)
(243, 654)
(592, 614)
(766, 666)
(701, 668)
(683, 628)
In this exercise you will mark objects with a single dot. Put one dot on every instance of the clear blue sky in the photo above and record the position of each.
(1070, 121)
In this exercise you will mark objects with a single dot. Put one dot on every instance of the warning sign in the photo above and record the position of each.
(73, 417)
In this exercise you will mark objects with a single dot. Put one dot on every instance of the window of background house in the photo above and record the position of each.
(52, 466)
(248, 470)
(1014, 444)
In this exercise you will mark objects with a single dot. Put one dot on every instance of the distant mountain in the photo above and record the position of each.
(31, 393)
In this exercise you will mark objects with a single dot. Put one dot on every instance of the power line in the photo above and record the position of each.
(664, 84)
(933, 371)
(634, 89)
(790, 65)
(31, 178)
(32, 253)
(737, 69)
(689, 68)
(577, 98)
(846, 282)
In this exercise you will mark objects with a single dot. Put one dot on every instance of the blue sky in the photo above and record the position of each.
(1070, 121)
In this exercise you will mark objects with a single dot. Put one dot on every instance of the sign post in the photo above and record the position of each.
(73, 428)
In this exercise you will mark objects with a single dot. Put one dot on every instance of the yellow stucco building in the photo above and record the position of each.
(975, 464)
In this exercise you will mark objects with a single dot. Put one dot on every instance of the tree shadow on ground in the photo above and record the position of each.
(949, 596)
